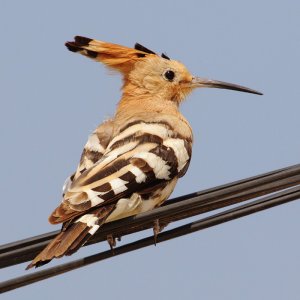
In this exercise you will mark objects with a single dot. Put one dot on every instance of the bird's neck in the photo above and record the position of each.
(135, 103)
(133, 108)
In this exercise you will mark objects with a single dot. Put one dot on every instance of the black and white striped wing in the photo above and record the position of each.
(131, 166)
(92, 151)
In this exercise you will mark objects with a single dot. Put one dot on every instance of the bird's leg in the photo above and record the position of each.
(156, 230)
(111, 241)
(158, 227)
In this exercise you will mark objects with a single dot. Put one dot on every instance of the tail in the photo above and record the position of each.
(74, 236)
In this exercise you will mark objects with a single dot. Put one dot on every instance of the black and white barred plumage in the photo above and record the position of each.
(119, 176)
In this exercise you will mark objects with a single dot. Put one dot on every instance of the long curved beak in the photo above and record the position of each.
(209, 83)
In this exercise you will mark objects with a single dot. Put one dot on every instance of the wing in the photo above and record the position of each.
(92, 151)
(137, 159)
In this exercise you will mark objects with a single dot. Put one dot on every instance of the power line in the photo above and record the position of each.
(179, 208)
(228, 215)
(176, 209)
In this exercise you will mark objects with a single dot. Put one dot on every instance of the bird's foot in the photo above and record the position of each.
(157, 228)
(111, 241)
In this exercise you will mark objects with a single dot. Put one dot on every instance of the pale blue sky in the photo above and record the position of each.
(51, 99)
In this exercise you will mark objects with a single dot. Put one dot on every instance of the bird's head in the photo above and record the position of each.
(147, 73)
(161, 77)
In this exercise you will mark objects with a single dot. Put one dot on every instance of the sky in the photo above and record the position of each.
(52, 99)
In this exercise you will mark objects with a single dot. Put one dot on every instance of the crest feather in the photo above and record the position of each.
(115, 56)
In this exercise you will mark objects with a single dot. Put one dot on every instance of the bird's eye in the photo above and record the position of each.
(169, 75)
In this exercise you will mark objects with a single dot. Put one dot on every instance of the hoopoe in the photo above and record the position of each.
(131, 162)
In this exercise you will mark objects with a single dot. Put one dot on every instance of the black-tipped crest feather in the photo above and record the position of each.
(140, 47)
(165, 56)
(82, 41)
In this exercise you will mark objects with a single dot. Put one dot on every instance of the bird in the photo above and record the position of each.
(132, 161)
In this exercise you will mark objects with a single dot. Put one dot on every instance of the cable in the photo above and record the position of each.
(173, 210)
(278, 198)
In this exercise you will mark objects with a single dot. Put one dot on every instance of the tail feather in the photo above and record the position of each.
(80, 241)
(73, 236)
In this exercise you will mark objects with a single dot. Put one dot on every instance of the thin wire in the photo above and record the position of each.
(176, 209)
(278, 198)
